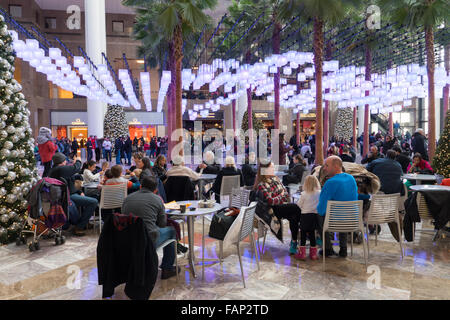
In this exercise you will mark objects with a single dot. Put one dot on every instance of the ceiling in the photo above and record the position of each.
(112, 6)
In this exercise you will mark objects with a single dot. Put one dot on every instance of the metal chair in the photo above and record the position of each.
(383, 209)
(424, 214)
(344, 216)
(239, 197)
(245, 224)
(112, 197)
(166, 243)
(228, 183)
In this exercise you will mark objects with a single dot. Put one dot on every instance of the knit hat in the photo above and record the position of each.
(58, 158)
(177, 160)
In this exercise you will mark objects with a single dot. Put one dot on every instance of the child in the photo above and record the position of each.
(309, 199)
(88, 175)
(117, 178)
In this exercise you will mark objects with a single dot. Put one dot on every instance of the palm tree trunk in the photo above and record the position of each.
(447, 68)
(178, 41)
(171, 101)
(318, 60)
(276, 78)
(355, 111)
(233, 104)
(326, 111)
(429, 42)
(391, 125)
(249, 103)
(366, 108)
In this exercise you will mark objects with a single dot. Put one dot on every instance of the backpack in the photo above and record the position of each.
(221, 223)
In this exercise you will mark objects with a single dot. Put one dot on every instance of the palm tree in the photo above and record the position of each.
(426, 14)
(321, 12)
(176, 20)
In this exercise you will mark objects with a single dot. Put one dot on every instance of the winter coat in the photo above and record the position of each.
(46, 147)
(419, 145)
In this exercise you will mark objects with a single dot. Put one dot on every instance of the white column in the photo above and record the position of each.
(361, 120)
(95, 30)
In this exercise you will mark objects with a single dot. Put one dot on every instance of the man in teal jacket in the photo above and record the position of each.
(340, 186)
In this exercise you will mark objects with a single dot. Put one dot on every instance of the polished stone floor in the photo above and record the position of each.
(69, 272)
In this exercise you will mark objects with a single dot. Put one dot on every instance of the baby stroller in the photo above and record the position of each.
(48, 207)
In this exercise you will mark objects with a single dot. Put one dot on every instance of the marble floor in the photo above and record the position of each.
(69, 272)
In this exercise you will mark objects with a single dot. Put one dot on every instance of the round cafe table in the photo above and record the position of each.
(190, 217)
(427, 187)
(281, 173)
(419, 177)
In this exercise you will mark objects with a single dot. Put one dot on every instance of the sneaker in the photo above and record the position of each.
(313, 253)
(293, 248)
(181, 248)
(319, 241)
(343, 252)
(301, 254)
(328, 253)
(169, 273)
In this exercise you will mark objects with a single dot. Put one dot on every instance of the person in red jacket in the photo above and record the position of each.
(46, 149)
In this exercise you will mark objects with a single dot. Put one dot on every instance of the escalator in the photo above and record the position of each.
(382, 120)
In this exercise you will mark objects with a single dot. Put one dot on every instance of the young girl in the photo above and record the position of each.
(309, 199)
(88, 174)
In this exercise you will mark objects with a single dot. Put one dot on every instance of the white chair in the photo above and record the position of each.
(383, 209)
(241, 228)
(166, 243)
(228, 183)
(112, 197)
(425, 215)
(344, 216)
(239, 197)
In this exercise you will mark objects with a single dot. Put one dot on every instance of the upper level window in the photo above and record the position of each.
(50, 23)
(118, 26)
(15, 11)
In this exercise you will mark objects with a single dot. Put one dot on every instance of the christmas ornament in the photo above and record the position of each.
(11, 176)
(3, 170)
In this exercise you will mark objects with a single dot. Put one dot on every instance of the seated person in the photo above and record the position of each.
(249, 169)
(402, 158)
(390, 172)
(340, 186)
(88, 176)
(148, 206)
(272, 192)
(88, 204)
(296, 172)
(160, 167)
(179, 169)
(419, 165)
(117, 178)
(374, 154)
(108, 175)
(208, 166)
(229, 170)
(346, 156)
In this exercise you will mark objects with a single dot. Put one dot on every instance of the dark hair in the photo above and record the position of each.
(108, 174)
(149, 182)
(138, 155)
(418, 155)
(147, 163)
(158, 160)
(116, 171)
(391, 154)
(300, 159)
(397, 149)
(87, 164)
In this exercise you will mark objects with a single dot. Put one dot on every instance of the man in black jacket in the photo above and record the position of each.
(118, 146)
(128, 148)
(208, 166)
(419, 144)
(389, 171)
(62, 170)
(150, 207)
(402, 158)
(345, 156)
(374, 154)
(295, 174)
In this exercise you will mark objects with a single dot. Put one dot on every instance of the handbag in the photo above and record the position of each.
(221, 223)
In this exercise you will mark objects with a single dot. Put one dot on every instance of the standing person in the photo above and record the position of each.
(118, 145)
(89, 147)
(128, 148)
(340, 186)
(283, 150)
(158, 146)
(309, 199)
(135, 144)
(83, 149)
(46, 148)
(419, 144)
(141, 144)
(388, 144)
(107, 149)
(75, 147)
(249, 169)
(153, 147)
(98, 149)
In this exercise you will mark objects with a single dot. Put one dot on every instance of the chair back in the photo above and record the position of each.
(240, 197)
(248, 215)
(383, 208)
(228, 183)
(422, 207)
(179, 188)
(343, 216)
(112, 196)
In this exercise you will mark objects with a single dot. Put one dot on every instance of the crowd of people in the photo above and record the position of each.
(389, 158)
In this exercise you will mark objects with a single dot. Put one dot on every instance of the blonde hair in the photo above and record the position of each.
(137, 172)
(311, 184)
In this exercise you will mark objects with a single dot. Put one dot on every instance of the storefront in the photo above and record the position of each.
(307, 124)
(75, 125)
(267, 118)
(214, 120)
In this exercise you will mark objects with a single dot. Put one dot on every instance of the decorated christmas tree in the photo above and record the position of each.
(441, 161)
(18, 172)
(115, 124)
(257, 124)
(344, 124)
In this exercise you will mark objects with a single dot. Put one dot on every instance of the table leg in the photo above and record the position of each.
(190, 223)
(203, 248)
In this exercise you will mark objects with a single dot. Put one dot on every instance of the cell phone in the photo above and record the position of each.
(192, 208)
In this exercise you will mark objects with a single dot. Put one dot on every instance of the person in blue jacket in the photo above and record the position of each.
(340, 186)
